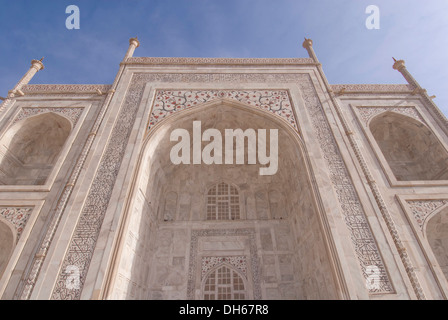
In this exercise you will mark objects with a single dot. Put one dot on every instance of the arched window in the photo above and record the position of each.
(223, 202)
(224, 283)
(410, 148)
(30, 148)
(169, 213)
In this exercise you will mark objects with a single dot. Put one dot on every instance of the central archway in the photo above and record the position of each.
(276, 244)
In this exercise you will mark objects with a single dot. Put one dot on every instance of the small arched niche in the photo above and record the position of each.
(437, 235)
(6, 245)
(30, 148)
(410, 148)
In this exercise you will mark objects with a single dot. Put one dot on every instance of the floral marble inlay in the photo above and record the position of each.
(17, 216)
(65, 88)
(238, 262)
(168, 101)
(421, 209)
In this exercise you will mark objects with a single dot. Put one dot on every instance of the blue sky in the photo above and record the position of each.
(413, 30)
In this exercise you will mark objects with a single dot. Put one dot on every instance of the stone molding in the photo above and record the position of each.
(210, 262)
(17, 216)
(91, 88)
(219, 61)
(65, 88)
(371, 88)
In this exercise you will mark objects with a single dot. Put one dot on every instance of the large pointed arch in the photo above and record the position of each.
(411, 149)
(167, 243)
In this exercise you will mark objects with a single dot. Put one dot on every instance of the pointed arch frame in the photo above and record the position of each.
(162, 126)
(421, 237)
(386, 169)
(73, 134)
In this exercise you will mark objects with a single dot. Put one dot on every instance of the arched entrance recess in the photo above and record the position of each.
(410, 148)
(277, 239)
(30, 149)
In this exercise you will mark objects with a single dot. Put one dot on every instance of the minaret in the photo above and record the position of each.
(36, 65)
(133, 44)
(308, 45)
(401, 67)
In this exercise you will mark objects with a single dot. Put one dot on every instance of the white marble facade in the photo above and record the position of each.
(92, 207)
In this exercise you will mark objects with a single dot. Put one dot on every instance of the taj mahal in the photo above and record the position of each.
(93, 206)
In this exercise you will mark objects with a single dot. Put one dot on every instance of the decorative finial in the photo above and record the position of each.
(398, 64)
(37, 64)
(41, 59)
(394, 59)
(307, 43)
(135, 41)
